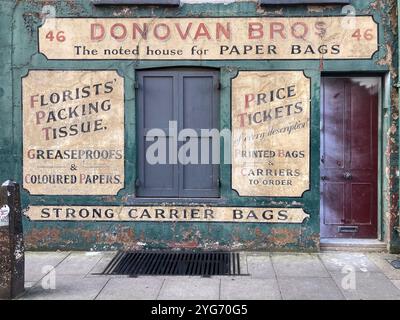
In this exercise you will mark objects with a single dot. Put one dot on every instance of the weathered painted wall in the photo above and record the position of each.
(20, 54)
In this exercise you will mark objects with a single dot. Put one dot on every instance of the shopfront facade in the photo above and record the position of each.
(239, 125)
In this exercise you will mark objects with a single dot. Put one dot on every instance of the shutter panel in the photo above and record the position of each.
(157, 105)
(198, 110)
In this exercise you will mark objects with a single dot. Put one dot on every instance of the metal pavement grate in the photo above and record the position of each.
(135, 263)
(396, 264)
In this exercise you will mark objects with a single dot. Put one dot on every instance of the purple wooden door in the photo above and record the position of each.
(349, 157)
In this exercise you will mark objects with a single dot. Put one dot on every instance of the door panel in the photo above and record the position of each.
(349, 157)
(335, 131)
(361, 195)
(362, 129)
(333, 202)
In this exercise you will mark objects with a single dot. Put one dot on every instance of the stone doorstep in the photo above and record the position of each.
(352, 245)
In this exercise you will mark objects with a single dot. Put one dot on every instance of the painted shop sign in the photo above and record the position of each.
(73, 132)
(236, 38)
(271, 133)
(166, 213)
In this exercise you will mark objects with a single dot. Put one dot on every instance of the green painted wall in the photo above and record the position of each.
(18, 40)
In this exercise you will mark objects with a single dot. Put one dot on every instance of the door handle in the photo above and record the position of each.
(324, 178)
(347, 175)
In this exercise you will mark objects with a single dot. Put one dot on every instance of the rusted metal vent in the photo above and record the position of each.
(174, 263)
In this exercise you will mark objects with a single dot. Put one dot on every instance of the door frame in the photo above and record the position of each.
(383, 108)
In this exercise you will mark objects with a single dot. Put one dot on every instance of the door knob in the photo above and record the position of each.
(347, 175)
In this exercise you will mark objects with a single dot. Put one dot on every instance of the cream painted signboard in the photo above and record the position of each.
(271, 133)
(73, 132)
(167, 214)
(234, 38)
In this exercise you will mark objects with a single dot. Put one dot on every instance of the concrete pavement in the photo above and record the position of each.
(271, 276)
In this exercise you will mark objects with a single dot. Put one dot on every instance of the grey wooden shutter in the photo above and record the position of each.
(199, 111)
(190, 98)
(157, 105)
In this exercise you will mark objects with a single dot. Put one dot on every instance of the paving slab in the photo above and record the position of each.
(257, 253)
(298, 265)
(102, 263)
(146, 288)
(190, 288)
(249, 289)
(383, 262)
(359, 262)
(67, 288)
(396, 283)
(29, 284)
(260, 266)
(79, 263)
(100, 266)
(37, 264)
(243, 263)
(300, 288)
(366, 286)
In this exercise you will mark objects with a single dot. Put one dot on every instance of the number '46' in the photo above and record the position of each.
(60, 37)
(367, 35)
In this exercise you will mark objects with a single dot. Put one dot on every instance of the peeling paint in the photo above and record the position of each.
(319, 9)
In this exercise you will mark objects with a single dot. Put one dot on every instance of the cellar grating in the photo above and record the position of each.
(134, 263)
(396, 264)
